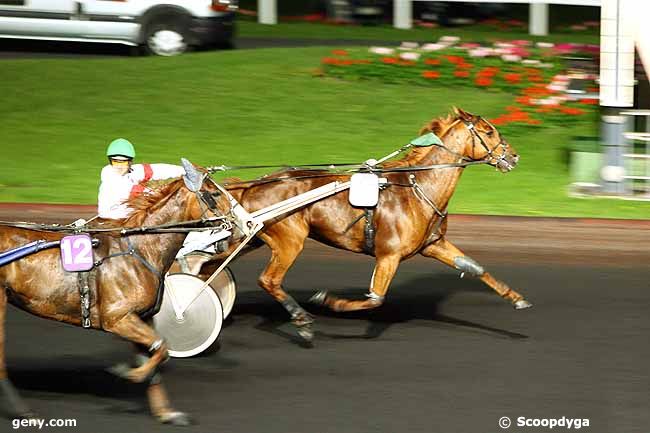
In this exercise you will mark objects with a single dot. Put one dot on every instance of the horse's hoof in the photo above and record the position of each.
(522, 304)
(120, 370)
(176, 418)
(319, 297)
(306, 333)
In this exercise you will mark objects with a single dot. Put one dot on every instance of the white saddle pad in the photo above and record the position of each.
(364, 191)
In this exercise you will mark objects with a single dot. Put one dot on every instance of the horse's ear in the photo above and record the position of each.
(463, 115)
(193, 178)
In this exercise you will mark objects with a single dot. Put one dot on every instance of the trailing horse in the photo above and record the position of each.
(409, 219)
(125, 283)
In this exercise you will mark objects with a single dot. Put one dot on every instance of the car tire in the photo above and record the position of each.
(167, 36)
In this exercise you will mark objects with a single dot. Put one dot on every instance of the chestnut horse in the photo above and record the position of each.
(408, 219)
(126, 284)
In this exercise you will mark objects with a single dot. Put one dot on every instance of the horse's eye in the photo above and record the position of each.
(490, 133)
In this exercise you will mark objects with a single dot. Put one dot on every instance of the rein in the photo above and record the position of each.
(372, 168)
(123, 231)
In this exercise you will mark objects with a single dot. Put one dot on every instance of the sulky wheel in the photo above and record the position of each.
(189, 319)
(224, 284)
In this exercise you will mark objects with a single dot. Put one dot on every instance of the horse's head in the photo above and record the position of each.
(208, 199)
(485, 143)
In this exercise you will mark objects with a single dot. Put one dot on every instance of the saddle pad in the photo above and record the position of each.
(364, 190)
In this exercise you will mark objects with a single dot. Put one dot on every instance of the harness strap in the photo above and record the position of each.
(131, 252)
(369, 230)
(84, 294)
(442, 214)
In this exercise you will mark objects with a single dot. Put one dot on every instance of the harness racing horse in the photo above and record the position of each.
(127, 282)
(409, 219)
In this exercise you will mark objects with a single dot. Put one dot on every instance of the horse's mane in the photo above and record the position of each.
(439, 127)
(143, 204)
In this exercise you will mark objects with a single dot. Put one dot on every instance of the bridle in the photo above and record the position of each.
(490, 159)
(207, 199)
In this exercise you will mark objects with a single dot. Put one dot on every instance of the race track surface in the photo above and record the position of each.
(442, 355)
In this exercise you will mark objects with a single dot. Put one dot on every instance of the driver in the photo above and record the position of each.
(121, 179)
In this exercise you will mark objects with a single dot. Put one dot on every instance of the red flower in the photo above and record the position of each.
(433, 62)
(464, 66)
(461, 74)
(455, 59)
(571, 111)
(432, 75)
(524, 100)
(483, 81)
(589, 101)
(329, 61)
(490, 71)
(512, 78)
(389, 60)
(339, 53)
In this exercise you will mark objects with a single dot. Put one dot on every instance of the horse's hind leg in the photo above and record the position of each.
(283, 253)
(385, 269)
(16, 405)
(448, 254)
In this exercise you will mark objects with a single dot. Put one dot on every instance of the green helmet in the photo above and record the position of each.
(120, 147)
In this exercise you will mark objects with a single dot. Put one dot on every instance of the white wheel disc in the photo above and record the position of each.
(223, 284)
(202, 319)
(167, 43)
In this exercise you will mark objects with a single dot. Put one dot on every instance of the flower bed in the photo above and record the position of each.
(533, 73)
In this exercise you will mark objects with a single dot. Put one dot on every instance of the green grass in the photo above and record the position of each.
(251, 107)
(388, 33)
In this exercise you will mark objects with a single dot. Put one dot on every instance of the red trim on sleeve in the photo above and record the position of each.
(136, 190)
(148, 172)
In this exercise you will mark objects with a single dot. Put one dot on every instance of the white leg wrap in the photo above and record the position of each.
(375, 298)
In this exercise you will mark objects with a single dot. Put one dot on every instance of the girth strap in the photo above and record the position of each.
(369, 230)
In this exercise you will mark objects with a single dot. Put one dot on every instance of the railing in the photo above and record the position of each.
(637, 157)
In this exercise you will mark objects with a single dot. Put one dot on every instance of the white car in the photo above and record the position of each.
(165, 28)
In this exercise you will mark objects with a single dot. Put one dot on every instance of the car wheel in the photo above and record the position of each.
(167, 37)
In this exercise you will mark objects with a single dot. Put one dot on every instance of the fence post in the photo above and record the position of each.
(403, 14)
(267, 11)
(538, 19)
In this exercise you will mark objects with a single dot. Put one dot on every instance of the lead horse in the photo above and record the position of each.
(127, 279)
(409, 219)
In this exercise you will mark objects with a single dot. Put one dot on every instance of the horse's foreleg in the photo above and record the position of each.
(17, 406)
(447, 253)
(383, 274)
(132, 328)
(157, 395)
